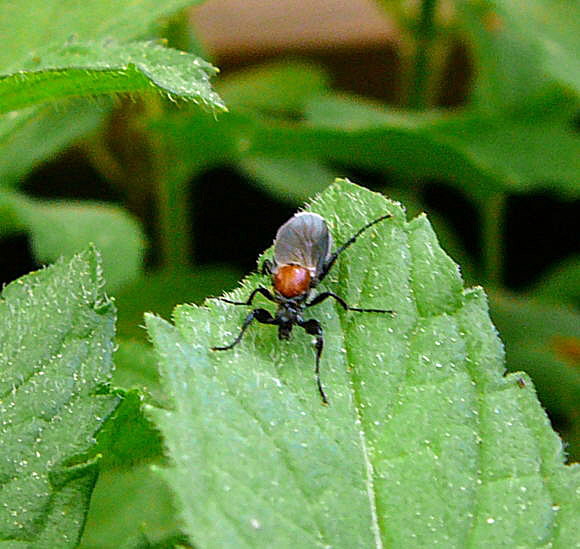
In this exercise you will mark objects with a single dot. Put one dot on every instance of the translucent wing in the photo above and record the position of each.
(303, 240)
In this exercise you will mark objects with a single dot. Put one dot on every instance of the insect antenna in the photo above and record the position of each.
(334, 256)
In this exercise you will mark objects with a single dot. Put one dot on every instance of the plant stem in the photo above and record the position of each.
(172, 196)
(174, 222)
(493, 210)
(173, 188)
(424, 38)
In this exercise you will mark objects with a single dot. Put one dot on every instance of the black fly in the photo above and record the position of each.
(302, 259)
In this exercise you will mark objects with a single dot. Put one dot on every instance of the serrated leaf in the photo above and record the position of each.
(543, 340)
(130, 503)
(29, 27)
(92, 68)
(63, 228)
(128, 438)
(425, 442)
(55, 356)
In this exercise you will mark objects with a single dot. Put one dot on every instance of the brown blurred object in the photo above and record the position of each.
(357, 42)
(290, 25)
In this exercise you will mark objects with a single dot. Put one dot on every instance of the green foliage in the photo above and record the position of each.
(561, 284)
(424, 443)
(59, 228)
(479, 154)
(522, 51)
(54, 52)
(289, 180)
(34, 135)
(274, 91)
(32, 28)
(162, 291)
(543, 340)
(29, 28)
(91, 68)
(131, 508)
(55, 360)
(278, 88)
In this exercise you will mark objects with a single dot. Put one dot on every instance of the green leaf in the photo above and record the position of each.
(448, 238)
(277, 88)
(472, 150)
(521, 154)
(130, 503)
(129, 506)
(425, 443)
(291, 180)
(62, 228)
(55, 358)
(128, 438)
(522, 49)
(160, 292)
(544, 341)
(29, 27)
(136, 367)
(92, 68)
(561, 284)
(199, 141)
(477, 152)
(30, 137)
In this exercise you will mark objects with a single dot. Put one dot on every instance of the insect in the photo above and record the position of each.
(302, 259)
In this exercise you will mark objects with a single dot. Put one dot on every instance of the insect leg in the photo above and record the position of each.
(260, 290)
(314, 328)
(325, 295)
(328, 265)
(261, 315)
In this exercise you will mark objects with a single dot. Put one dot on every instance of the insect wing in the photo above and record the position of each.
(303, 240)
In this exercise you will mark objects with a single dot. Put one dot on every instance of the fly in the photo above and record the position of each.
(302, 259)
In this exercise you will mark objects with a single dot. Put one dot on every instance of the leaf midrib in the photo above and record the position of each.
(357, 406)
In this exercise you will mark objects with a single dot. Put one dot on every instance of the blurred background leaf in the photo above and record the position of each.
(522, 50)
(276, 89)
(561, 284)
(129, 507)
(162, 291)
(30, 137)
(61, 228)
